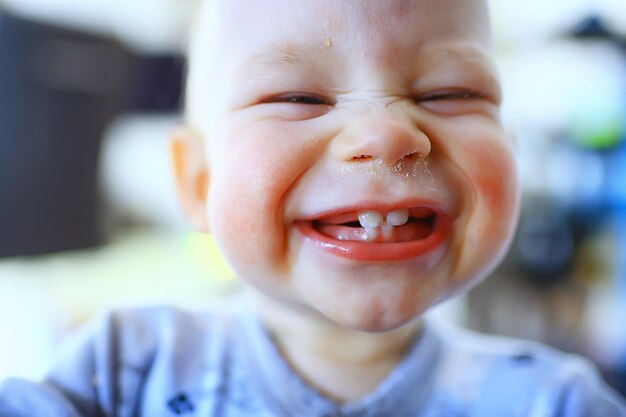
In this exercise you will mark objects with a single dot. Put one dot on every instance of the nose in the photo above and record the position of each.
(380, 137)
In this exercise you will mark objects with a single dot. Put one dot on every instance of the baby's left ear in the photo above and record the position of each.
(191, 174)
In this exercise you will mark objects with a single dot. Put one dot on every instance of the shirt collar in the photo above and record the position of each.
(403, 391)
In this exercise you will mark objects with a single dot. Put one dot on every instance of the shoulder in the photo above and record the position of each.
(507, 373)
(489, 348)
(144, 331)
(135, 351)
(158, 340)
(137, 334)
(153, 320)
(20, 398)
(124, 360)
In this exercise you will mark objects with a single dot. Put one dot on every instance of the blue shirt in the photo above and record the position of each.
(166, 362)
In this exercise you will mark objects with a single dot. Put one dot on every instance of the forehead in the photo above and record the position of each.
(379, 28)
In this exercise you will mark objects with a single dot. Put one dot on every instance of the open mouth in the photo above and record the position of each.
(402, 225)
(374, 235)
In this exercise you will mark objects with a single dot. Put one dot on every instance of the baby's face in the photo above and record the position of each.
(324, 116)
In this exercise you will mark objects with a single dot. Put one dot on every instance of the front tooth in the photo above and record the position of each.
(387, 231)
(371, 232)
(398, 217)
(370, 219)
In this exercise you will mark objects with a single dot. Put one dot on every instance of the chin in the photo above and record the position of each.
(372, 320)
(382, 326)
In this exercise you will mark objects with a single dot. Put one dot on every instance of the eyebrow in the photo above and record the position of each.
(281, 58)
(298, 56)
(467, 56)
(468, 59)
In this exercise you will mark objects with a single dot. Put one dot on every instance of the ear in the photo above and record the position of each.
(190, 174)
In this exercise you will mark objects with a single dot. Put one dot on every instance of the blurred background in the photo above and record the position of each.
(88, 214)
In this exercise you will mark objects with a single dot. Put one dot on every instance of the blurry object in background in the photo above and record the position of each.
(509, 305)
(604, 329)
(564, 280)
(156, 82)
(43, 298)
(152, 27)
(32, 341)
(532, 294)
(136, 181)
(549, 86)
(594, 27)
(614, 353)
(605, 128)
(58, 91)
(544, 245)
(70, 72)
(601, 123)
(534, 21)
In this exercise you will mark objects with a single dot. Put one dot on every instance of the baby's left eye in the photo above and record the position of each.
(456, 102)
(298, 98)
(449, 95)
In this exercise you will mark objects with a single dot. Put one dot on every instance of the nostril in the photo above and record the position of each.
(413, 155)
(409, 158)
(361, 158)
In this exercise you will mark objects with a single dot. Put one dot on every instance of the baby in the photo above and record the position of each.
(349, 160)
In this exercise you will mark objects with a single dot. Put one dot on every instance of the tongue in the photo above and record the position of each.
(408, 232)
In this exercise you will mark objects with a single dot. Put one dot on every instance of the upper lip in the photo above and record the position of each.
(382, 206)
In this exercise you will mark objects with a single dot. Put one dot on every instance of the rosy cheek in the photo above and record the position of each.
(230, 227)
(247, 190)
(490, 165)
(496, 190)
(497, 200)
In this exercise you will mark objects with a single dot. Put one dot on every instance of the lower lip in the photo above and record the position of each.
(377, 252)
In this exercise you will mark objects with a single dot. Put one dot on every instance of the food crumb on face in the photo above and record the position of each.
(328, 42)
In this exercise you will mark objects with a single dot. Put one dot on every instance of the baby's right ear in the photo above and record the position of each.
(191, 174)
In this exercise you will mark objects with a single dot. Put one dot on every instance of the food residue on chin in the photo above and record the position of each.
(328, 42)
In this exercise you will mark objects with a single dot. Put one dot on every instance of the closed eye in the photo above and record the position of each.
(452, 95)
(299, 98)
(458, 102)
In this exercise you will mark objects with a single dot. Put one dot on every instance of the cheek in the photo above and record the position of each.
(250, 181)
(487, 161)
(497, 201)
(495, 179)
(492, 205)
(243, 203)
(232, 223)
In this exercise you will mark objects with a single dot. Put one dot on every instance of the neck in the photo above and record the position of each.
(344, 364)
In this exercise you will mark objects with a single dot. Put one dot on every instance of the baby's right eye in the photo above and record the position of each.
(299, 98)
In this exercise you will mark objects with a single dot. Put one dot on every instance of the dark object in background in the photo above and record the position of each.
(544, 243)
(59, 90)
(593, 27)
(156, 84)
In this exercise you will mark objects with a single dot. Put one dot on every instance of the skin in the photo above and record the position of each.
(394, 101)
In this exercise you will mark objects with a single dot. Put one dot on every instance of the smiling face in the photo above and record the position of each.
(320, 117)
